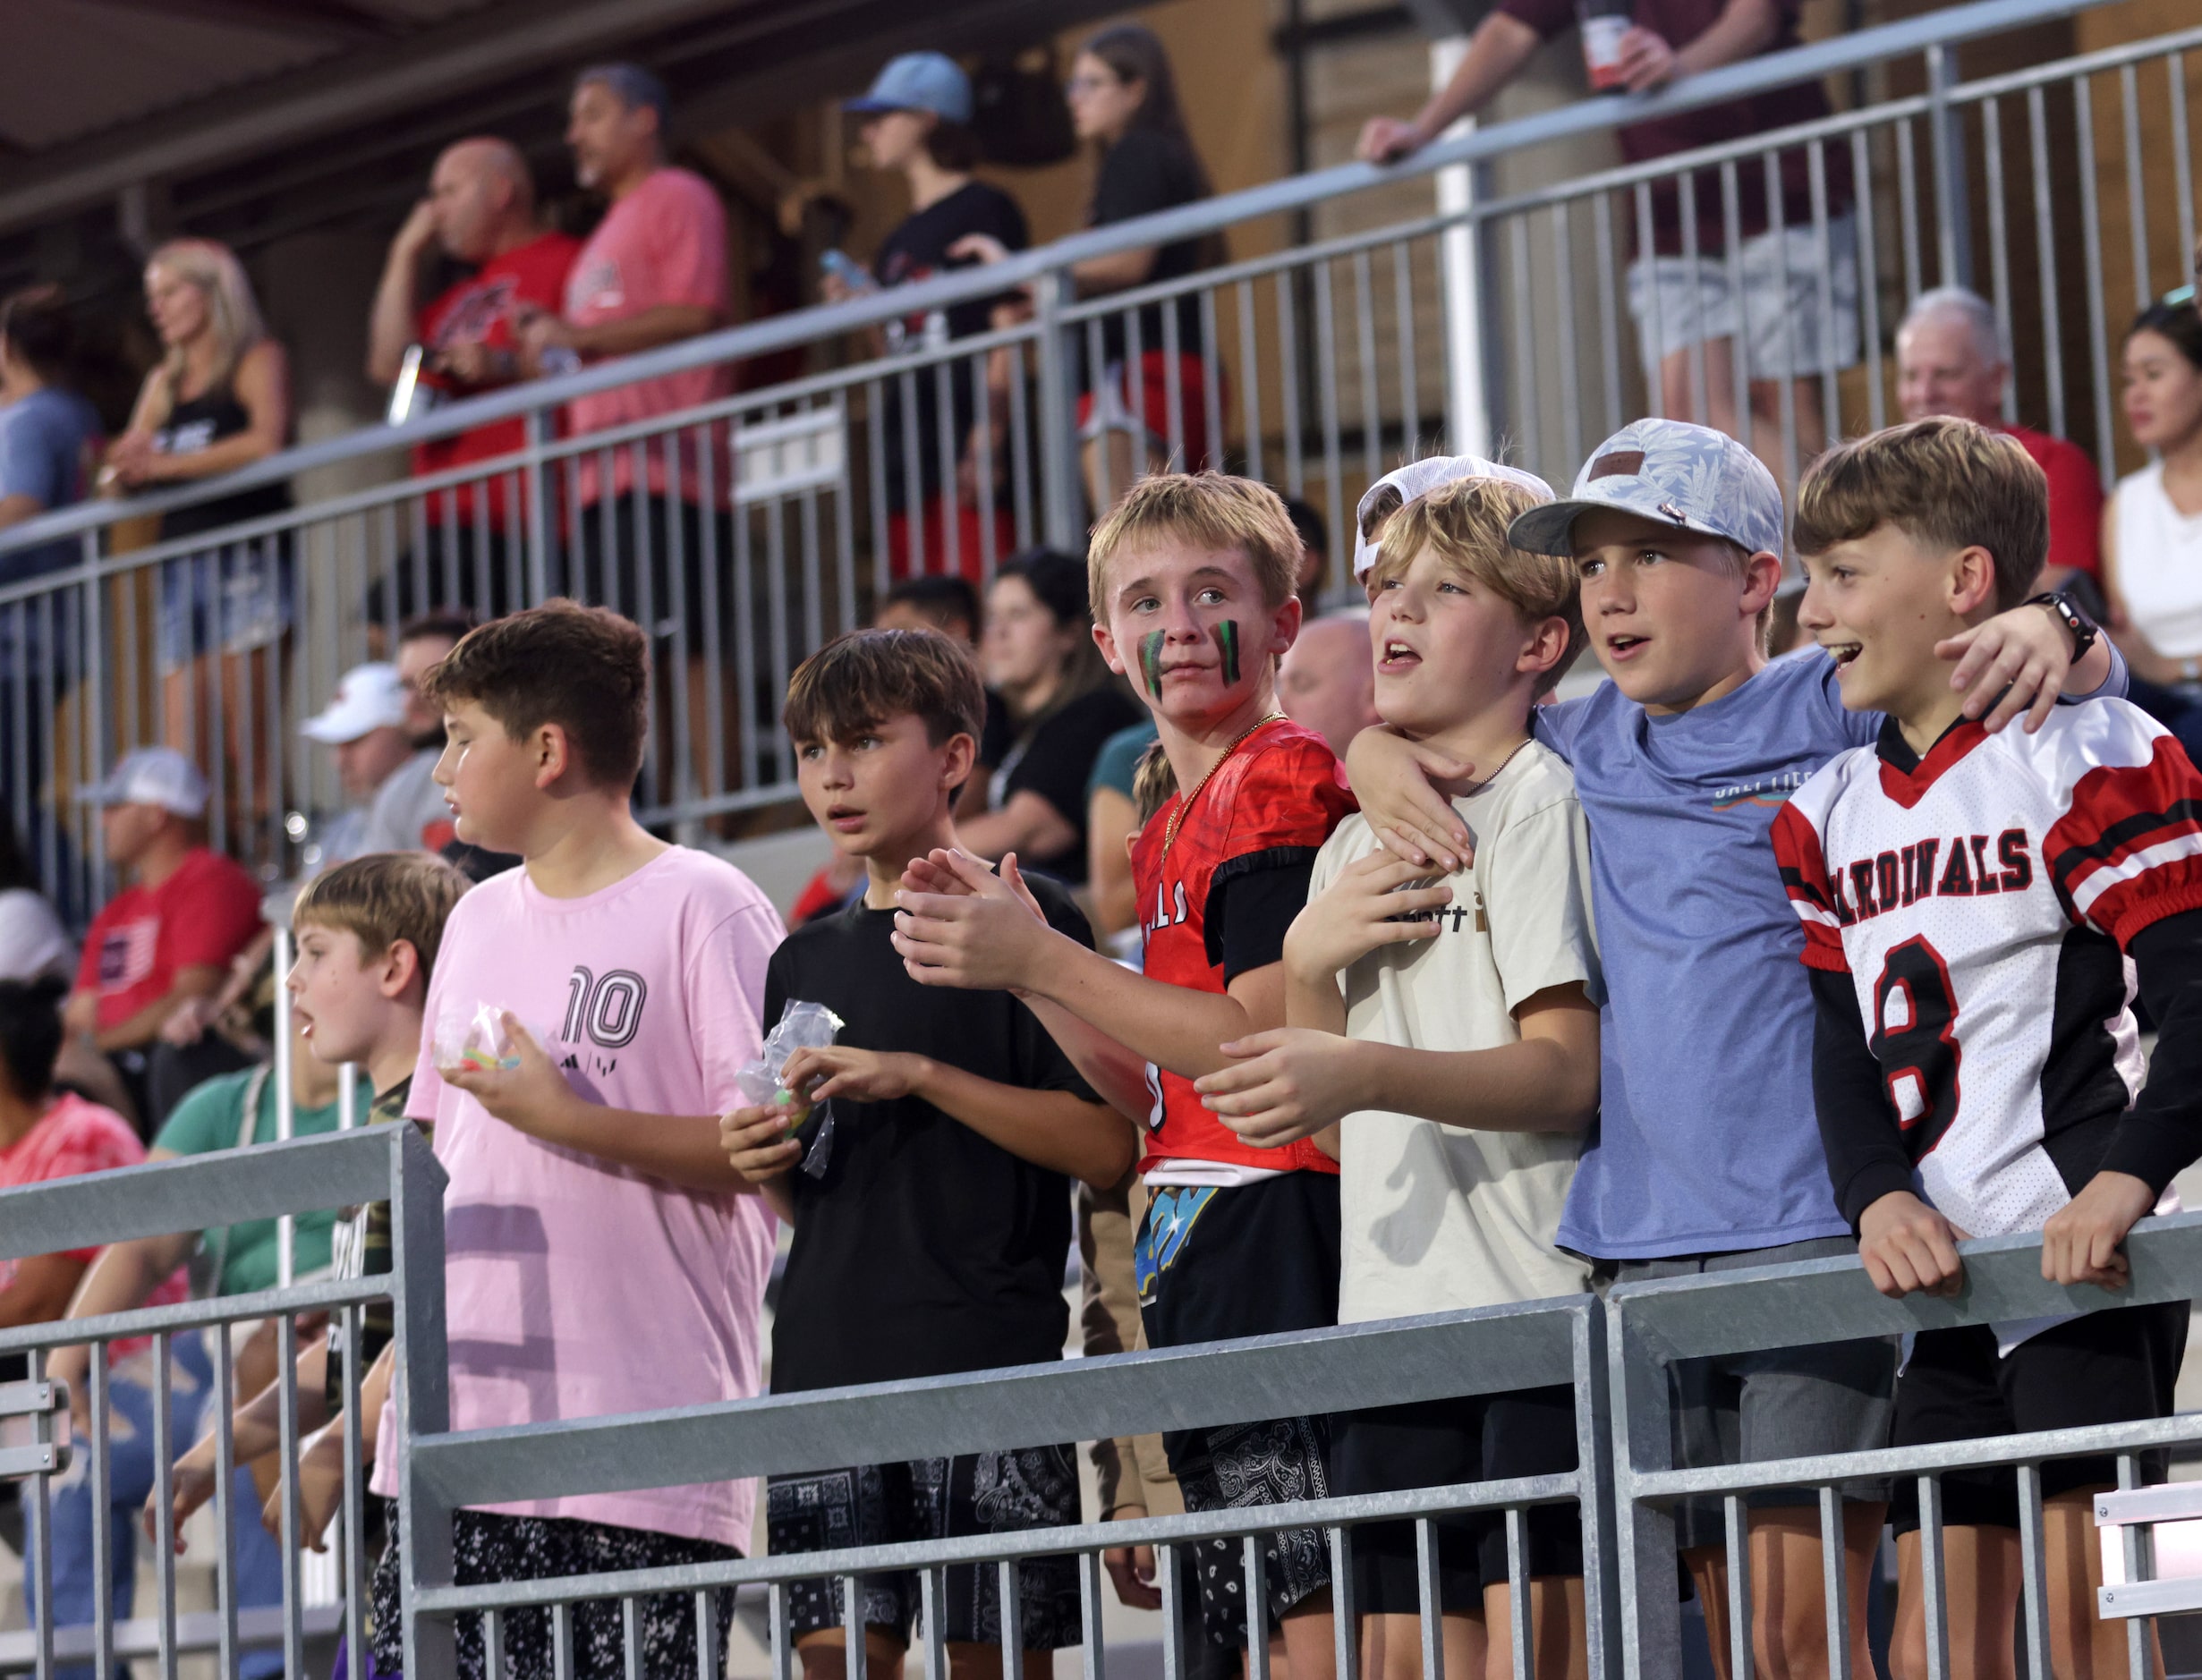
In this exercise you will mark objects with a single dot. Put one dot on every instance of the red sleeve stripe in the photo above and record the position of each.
(1804, 877)
(2131, 835)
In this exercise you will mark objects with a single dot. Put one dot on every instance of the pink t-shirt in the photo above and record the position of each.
(664, 243)
(575, 1289)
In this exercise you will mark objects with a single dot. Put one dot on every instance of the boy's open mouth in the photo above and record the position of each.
(1397, 654)
(1622, 646)
(1843, 652)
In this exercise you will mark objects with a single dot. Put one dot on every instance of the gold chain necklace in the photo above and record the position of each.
(1169, 833)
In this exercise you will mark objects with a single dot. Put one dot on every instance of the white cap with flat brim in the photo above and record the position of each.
(370, 696)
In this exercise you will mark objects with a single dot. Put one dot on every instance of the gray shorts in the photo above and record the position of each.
(1771, 299)
(1785, 1403)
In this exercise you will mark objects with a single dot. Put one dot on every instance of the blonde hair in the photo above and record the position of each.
(1945, 482)
(1153, 782)
(1464, 522)
(233, 315)
(382, 898)
(1211, 510)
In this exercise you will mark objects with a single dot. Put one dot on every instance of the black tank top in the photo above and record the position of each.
(194, 423)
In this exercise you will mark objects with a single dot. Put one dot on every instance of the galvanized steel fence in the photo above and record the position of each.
(744, 531)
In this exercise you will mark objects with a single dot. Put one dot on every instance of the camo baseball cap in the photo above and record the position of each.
(1673, 473)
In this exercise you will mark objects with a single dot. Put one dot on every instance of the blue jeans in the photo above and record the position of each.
(130, 1480)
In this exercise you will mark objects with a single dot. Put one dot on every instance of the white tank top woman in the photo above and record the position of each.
(2159, 565)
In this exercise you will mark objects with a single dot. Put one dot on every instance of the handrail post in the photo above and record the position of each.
(539, 507)
(1650, 1628)
(1954, 227)
(1061, 495)
(420, 1391)
(96, 745)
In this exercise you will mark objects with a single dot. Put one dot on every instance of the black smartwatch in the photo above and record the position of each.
(2084, 629)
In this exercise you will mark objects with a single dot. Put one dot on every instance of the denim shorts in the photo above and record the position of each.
(232, 599)
(1771, 299)
(1781, 1403)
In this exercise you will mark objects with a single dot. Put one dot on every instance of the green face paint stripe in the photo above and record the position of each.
(1151, 661)
(1227, 638)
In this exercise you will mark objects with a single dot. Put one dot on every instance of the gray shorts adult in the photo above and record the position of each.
(1785, 1403)
(1770, 299)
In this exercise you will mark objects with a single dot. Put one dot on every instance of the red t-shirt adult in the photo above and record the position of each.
(200, 917)
(480, 309)
(2075, 500)
(664, 243)
(1224, 882)
(1678, 23)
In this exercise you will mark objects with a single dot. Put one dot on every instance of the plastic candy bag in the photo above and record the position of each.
(803, 1026)
(480, 1040)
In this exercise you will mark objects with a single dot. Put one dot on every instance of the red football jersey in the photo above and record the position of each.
(1272, 803)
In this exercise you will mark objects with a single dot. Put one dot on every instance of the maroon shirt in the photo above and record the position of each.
(1679, 22)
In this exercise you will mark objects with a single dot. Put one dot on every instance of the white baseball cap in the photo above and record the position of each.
(151, 776)
(1419, 478)
(370, 698)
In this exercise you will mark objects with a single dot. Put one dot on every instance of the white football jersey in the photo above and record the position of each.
(1981, 900)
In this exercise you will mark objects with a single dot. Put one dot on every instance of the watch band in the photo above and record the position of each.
(2083, 628)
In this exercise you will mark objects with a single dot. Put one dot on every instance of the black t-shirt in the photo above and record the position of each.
(923, 1249)
(918, 249)
(1141, 174)
(1055, 760)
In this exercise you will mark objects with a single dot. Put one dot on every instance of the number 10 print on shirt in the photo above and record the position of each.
(606, 1011)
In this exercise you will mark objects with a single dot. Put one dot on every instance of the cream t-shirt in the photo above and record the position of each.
(1439, 1218)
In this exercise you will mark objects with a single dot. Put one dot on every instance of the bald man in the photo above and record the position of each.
(1327, 681)
(1950, 360)
(480, 210)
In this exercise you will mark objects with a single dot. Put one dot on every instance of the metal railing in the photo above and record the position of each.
(781, 513)
(268, 1182)
(1652, 1326)
(1489, 1350)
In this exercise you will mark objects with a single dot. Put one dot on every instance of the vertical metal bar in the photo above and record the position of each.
(355, 1563)
(290, 1538)
(875, 467)
(1250, 376)
(1999, 245)
(1736, 1518)
(226, 1516)
(1777, 229)
(947, 448)
(1403, 341)
(493, 1643)
(39, 1520)
(1345, 1618)
(631, 1636)
(1831, 409)
(103, 1516)
(776, 607)
(1869, 284)
(2091, 247)
(1135, 391)
(421, 1394)
(1641, 1413)
(1289, 391)
(1652, 335)
(982, 464)
(1173, 389)
(2045, 252)
(682, 781)
(1429, 1598)
(1251, 1563)
(1526, 370)
(913, 478)
(1570, 374)
(932, 1589)
(2136, 188)
(1012, 1618)
(2138, 1545)
(1732, 236)
(1093, 1660)
(709, 1667)
(1907, 206)
(1364, 346)
(286, 1227)
(164, 1488)
(1519, 1637)
(852, 1627)
(2182, 160)
(780, 1640)
(1934, 1582)
(1020, 453)
(745, 708)
(1169, 1577)
(1609, 308)
(721, 768)
(1104, 491)
(1211, 384)
(1952, 219)
(562, 1642)
(1832, 1585)
(1060, 494)
(1698, 411)
(2033, 1574)
(1326, 392)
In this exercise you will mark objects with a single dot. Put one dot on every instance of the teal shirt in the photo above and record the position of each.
(208, 1120)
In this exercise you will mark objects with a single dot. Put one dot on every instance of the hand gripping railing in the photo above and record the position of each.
(1489, 1350)
(1651, 1325)
(389, 1163)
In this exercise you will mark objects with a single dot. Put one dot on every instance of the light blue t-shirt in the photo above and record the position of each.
(45, 441)
(1706, 1139)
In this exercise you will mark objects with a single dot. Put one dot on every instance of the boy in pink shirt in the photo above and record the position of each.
(592, 1220)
